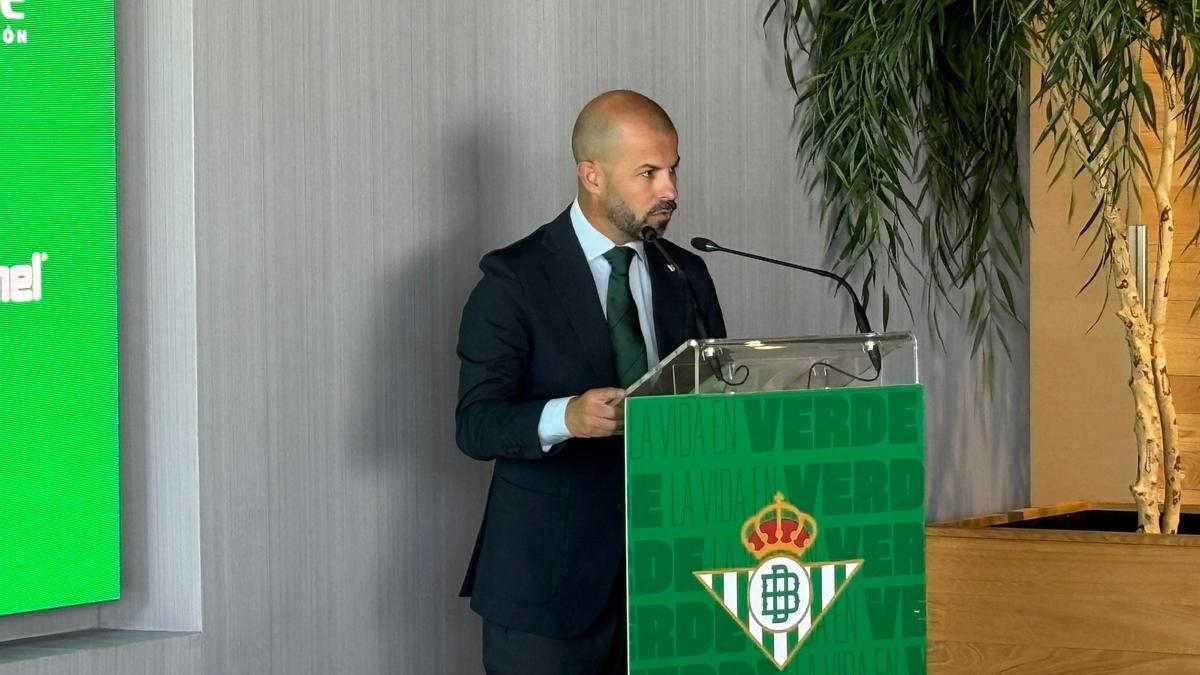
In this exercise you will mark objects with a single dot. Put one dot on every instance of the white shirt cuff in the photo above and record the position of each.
(552, 426)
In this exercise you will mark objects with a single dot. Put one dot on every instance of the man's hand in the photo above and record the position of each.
(597, 413)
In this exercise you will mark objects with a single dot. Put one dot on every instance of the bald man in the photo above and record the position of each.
(560, 324)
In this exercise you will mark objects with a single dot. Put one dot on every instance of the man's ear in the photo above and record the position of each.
(591, 176)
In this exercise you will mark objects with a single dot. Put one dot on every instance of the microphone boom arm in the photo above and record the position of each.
(860, 312)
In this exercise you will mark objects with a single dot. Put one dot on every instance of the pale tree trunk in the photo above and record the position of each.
(1158, 313)
(1138, 336)
(1139, 333)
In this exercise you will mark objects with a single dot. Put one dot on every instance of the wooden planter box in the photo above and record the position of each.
(1009, 593)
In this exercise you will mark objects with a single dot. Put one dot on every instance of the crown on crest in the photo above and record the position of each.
(779, 526)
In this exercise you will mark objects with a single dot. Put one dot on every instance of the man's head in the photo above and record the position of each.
(626, 155)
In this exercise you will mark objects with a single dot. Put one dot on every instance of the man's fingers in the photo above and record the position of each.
(611, 425)
(610, 395)
(599, 412)
(606, 396)
(607, 412)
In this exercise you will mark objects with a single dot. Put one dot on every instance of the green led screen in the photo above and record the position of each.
(59, 509)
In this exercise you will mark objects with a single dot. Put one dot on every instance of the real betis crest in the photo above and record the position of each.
(779, 601)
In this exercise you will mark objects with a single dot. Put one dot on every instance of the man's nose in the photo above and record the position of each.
(668, 189)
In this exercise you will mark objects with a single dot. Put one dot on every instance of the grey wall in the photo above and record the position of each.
(338, 175)
(352, 162)
(160, 493)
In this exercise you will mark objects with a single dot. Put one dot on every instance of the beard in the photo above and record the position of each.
(623, 218)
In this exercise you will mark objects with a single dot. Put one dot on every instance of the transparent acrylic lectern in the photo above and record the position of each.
(782, 364)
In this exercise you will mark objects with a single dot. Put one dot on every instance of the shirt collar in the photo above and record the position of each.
(593, 242)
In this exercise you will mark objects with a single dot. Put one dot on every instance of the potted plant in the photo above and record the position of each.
(908, 114)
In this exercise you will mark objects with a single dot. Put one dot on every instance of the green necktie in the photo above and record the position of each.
(629, 349)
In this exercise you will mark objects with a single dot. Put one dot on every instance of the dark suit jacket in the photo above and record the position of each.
(552, 540)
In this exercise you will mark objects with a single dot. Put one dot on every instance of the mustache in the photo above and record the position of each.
(668, 205)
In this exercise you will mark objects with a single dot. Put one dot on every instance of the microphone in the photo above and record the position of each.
(860, 312)
(650, 236)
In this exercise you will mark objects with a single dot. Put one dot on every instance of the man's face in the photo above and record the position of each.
(641, 187)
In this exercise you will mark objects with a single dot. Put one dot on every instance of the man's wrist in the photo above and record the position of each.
(552, 426)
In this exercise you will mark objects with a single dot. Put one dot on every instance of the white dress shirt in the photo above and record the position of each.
(552, 425)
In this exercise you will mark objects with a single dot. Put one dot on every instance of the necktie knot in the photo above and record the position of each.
(620, 257)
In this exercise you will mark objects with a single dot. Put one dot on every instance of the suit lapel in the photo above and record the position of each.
(568, 274)
(671, 308)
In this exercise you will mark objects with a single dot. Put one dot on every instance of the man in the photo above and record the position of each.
(562, 321)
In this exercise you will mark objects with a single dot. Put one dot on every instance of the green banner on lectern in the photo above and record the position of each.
(776, 532)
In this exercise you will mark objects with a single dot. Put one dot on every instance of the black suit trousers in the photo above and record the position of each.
(600, 650)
